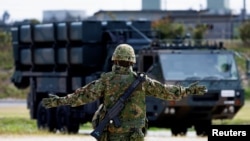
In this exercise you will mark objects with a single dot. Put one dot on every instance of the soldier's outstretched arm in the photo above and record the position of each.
(195, 89)
(83, 95)
(172, 92)
(192, 89)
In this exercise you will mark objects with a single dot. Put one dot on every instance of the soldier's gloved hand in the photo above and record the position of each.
(50, 102)
(195, 89)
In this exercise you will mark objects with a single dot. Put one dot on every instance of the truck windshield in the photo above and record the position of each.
(202, 66)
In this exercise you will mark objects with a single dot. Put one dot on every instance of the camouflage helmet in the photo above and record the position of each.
(124, 52)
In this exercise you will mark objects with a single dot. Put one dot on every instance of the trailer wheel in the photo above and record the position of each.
(65, 122)
(46, 118)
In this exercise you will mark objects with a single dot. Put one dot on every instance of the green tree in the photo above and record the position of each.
(198, 33)
(5, 39)
(167, 28)
(244, 30)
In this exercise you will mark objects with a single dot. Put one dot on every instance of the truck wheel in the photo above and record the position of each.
(202, 127)
(178, 130)
(65, 122)
(46, 118)
(174, 131)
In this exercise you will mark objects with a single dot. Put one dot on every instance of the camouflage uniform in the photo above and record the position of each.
(110, 86)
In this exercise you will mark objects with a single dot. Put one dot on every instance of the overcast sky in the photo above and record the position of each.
(21, 9)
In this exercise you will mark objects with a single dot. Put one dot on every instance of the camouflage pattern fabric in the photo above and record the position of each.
(111, 86)
(194, 89)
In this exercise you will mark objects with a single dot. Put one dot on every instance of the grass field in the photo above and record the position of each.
(16, 120)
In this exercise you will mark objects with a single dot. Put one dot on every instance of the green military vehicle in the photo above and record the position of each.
(61, 57)
(211, 65)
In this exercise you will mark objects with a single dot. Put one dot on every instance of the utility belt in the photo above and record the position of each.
(127, 126)
(135, 134)
(133, 123)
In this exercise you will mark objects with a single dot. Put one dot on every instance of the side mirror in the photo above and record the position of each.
(225, 67)
(248, 68)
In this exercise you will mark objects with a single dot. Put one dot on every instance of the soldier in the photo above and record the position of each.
(111, 85)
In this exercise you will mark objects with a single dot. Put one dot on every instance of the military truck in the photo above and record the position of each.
(211, 65)
(61, 57)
